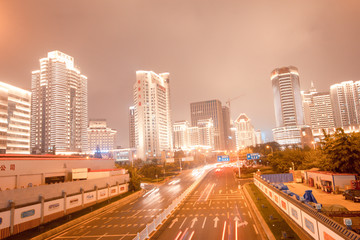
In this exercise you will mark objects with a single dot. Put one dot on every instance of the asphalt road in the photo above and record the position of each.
(124, 222)
(216, 209)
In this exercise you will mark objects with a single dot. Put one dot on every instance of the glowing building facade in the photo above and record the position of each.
(152, 114)
(100, 136)
(288, 105)
(245, 133)
(345, 100)
(14, 120)
(59, 106)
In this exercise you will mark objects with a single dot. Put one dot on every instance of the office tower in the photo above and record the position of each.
(226, 123)
(100, 136)
(345, 102)
(210, 109)
(258, 137)
(132, 127)
(245, 133)
(288, 105)
(181, 134)
(14, 120)
(153, 127)
(59, 106)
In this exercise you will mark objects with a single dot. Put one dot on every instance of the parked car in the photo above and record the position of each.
(352, 194)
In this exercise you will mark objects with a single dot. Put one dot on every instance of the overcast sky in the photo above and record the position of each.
(213, 49)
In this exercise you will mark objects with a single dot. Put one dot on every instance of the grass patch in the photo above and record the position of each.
(277, 224)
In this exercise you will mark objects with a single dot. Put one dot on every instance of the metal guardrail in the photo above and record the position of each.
(331, 224)
(163, 216)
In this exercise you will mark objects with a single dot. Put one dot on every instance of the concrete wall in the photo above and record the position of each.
(31, 195)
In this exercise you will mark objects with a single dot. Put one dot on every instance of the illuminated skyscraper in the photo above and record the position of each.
(14, 120)
(345, 101)
(153, 127)
(288, 105)
(59, 106)
(206, 110)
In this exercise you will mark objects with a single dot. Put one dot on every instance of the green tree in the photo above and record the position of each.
(342, 151)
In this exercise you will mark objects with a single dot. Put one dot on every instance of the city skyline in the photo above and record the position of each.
(323, 47)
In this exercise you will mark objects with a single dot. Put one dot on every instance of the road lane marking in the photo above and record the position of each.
(228, 215)
(249, 214)
(183, 223)
(192, 234)
(203, 225)
(223, 234)
(255, 229)
(173, 222)
(236, 230)
(245, 204)
(216, 219)
(183, 235)
(193, 222)
(177, 236)
(210, 203)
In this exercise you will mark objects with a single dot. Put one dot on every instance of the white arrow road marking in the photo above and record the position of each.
(193, 222)
(204, 223)
(183, 223)
(173, 222)
(244, 223)
(216, 222)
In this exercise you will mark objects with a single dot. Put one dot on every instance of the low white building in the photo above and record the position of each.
(100, 136)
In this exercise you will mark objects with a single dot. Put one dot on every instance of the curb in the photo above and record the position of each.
(259, 217)
(119, 203)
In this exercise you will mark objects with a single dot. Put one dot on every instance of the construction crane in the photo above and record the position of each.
(232, 99)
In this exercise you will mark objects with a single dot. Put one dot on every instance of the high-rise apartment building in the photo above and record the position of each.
(346, 103)
(321, 112)
(153, 127)
(100, 136)
(245, 133)
(59, 106)
(14, 120)
(206, 110)
(288, 105)
(132, 127)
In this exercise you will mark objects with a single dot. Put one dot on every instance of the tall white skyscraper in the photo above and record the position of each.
(288, 105)
(345, 102)
(14, 120)
(59, 106)
(153, 127)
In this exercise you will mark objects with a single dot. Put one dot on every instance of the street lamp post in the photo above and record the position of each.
(272, 150)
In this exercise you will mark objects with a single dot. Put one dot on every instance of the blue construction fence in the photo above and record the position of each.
(278, 178)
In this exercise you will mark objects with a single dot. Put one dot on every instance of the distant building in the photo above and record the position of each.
(181, 135)
(100, 136)
(153, 126)
(307, 100)
(288, 106)
(321, 111)
(227, 126)
(200, 136)
(206, 110)
(59, 106)
(132, 127)
(14, 120)
(345, 101)
(245, 133)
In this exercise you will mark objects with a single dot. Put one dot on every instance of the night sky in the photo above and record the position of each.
(213, 49)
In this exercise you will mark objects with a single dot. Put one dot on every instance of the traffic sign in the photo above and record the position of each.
(224, 158)
(252, 156)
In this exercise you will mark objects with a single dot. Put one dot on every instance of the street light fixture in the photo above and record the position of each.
(272, 150)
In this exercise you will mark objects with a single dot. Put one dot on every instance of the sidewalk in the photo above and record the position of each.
(324, 198)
